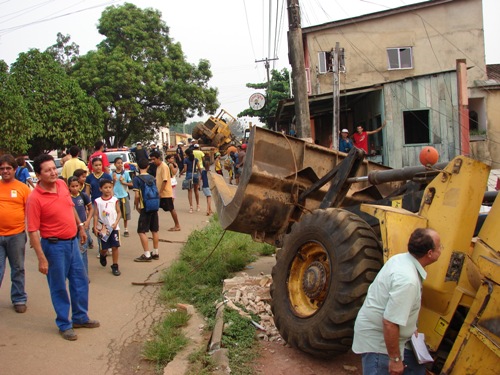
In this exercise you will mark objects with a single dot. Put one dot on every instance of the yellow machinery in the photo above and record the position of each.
(290, 195)
(216, 132)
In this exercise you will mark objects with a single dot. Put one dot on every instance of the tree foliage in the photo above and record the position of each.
(15, 125)
(53, 111)
(279, 89)
(64, 52)
(140, 77)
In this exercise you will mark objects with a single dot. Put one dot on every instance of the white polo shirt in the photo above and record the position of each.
(394, 295)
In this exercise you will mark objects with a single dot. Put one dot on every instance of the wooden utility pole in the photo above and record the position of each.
(296, 57)
(463, 107)
(336, 97)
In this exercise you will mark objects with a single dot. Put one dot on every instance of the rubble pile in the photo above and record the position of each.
(253, 293)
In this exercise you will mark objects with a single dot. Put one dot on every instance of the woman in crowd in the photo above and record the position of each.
(191, 169)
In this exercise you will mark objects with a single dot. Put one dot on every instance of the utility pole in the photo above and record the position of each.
(336, 98)
(268, 90)
(296, 57)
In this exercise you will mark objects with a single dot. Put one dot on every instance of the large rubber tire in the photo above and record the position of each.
(320, 280)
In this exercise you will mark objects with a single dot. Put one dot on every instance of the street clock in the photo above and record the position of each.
(257, 101)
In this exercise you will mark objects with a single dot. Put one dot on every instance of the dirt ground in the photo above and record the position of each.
(278, 358)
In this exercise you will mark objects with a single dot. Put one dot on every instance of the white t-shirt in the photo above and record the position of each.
(107, 211)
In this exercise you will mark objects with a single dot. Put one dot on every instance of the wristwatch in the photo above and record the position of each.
(395, 359)
(81, 224)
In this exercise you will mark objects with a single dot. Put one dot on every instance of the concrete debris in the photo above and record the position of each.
(253, 293)
(350, 368)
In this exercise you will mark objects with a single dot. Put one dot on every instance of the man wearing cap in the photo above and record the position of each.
(345, 143)
(198, 154)
(154, 148)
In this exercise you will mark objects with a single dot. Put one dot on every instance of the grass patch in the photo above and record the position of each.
(239, 338)
(197, 277)
(168, 339)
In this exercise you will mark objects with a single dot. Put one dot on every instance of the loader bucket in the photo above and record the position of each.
(276, 170)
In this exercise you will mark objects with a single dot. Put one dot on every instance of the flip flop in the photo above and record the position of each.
(174, 229)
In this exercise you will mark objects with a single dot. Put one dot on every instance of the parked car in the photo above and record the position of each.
(29, 165)
(129, 162)
(59, 166)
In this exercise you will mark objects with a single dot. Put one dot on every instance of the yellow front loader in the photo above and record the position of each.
(306, 200)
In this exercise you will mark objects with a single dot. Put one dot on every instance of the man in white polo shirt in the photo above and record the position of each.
(389, 314)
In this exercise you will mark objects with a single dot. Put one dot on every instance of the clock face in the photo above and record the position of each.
(257, 101)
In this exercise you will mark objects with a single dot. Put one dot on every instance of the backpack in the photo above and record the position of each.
(150, 194)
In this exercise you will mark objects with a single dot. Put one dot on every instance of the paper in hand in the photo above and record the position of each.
(420, 349)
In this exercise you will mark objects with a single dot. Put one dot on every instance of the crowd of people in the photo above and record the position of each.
(66, 215)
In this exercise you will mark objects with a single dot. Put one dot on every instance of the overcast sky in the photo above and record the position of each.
(231, 34)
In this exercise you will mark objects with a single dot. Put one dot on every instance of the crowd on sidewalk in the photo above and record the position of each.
(61, 214)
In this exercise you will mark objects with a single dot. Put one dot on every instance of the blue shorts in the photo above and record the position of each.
(113, 240)
(206, 192)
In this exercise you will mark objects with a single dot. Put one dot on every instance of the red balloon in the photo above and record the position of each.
(429, 156)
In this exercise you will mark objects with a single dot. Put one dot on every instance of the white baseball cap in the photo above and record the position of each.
(345, 131)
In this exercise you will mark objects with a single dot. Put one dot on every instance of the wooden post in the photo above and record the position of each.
(463, 107)
(296, 57)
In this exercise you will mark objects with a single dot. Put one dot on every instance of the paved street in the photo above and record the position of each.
(30, 343)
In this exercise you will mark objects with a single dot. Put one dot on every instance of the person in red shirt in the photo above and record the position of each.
(53, 225)
(13, 197)
(99, 153)
(360, 138)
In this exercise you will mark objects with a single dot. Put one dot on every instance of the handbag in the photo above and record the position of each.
(188, 184)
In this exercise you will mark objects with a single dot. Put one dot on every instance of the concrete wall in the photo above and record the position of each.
(438, 35)
(493, 126)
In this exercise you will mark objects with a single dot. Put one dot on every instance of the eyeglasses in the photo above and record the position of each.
(6, 168)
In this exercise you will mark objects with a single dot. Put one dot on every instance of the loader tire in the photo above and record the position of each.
(321, 278)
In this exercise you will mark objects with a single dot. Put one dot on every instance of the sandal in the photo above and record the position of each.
(191, 210)
(198, 208)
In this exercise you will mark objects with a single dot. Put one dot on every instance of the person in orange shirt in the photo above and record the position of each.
(13, 197)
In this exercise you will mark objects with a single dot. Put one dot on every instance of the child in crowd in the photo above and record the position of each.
(106, 218)
(148, 221)
(81, 174)
(22, 174)
(122, 182)
(218, 164)
(92, 184)
(174, 168)
(205, 187)
(85, 211)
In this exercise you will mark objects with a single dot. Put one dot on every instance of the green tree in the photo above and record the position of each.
(15, 125)
(140, 77)
(64, 52)
(60, 113)
(279, 89)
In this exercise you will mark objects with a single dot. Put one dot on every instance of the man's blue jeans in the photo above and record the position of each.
(13, 248)
(378, 364)
(65, 262)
